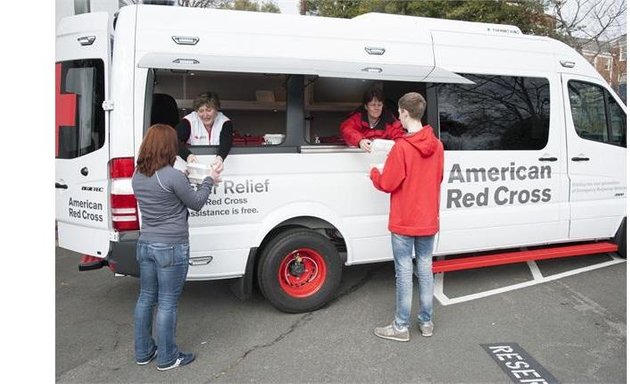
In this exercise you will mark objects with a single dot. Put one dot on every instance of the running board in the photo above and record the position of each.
(491, 260)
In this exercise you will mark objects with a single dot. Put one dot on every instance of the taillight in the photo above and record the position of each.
(124, 204)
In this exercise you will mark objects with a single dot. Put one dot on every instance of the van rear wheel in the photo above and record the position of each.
(299, 270)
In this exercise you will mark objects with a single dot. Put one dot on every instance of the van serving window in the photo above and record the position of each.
(329, 101)
(495, 113)
(256, 103)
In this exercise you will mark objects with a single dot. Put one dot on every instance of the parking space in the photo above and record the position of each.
(574, 327)
(459, 286)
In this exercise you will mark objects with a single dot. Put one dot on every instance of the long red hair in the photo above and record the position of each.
(158, 149)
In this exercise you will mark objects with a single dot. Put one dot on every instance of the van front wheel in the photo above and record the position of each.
(299, 271)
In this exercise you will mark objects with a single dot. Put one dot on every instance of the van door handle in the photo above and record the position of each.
(84, 171)
(61, 186)
(547, 159)
(580, 158)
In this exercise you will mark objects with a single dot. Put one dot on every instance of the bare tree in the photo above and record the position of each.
(588, 23)
(242, 5)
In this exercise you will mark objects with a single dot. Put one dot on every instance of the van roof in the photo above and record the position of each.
(434, 24)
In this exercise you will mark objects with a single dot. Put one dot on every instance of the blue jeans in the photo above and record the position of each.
(163, 269)
(403, 262)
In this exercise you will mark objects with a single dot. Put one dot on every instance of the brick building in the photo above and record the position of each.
(609, 58)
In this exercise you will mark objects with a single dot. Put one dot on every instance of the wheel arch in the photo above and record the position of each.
(298, 215)
(312, 216)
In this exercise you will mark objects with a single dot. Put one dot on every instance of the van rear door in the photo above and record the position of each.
(81, 133)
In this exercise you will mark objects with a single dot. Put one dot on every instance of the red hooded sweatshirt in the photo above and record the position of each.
(412, 174)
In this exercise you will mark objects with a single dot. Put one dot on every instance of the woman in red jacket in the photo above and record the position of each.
(370, 122)
(412, 174)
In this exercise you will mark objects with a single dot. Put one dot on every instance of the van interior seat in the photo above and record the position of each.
(164, 110)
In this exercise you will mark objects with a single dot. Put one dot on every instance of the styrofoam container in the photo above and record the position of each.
(380, 151)
(273, 138)
(198, 171)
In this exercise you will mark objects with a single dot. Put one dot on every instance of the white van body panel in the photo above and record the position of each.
(328, 189)
(332, 188)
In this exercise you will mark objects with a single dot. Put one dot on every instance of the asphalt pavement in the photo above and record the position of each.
(574, 327)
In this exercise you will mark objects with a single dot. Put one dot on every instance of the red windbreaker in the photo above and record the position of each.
(356, 127)
(412, 174)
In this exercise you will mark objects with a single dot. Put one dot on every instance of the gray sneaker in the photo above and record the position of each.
(426, 329)
(391, 333)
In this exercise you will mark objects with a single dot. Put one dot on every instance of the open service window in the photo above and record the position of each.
(263, 99)
(255, 103)
(328, 101)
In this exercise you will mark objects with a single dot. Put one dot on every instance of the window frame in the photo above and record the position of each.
(606, 96)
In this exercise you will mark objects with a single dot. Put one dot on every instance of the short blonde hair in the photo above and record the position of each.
(414, 103)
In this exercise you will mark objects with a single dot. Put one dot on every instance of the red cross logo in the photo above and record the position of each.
(65, 108)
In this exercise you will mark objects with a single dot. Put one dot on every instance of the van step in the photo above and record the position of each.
(473, 262)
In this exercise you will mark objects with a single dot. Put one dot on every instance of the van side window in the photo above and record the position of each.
(256, 103)
(596, 114)
(495, 113)
(80, 119)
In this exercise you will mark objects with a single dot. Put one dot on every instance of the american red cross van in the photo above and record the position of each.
(535, 139)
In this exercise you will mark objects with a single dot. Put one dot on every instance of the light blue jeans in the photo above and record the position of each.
(163, 269)
(403, 262)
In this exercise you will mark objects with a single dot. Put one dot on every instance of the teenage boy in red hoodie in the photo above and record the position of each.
(412, 174)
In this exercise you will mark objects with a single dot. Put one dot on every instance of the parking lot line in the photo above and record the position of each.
(537, 278)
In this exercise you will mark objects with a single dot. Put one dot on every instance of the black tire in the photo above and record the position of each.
(621, 239)
(281, 279)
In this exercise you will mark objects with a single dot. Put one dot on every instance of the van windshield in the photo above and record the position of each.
(79, 116)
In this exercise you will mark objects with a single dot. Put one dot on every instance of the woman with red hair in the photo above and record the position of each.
(164, 196)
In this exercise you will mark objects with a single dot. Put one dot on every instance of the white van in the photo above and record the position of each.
(535, 139)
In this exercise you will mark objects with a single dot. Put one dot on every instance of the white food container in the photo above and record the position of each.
(379, 153)
(273, 138)
(198, 171)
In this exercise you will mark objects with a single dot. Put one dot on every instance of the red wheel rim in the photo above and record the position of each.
(305, 279)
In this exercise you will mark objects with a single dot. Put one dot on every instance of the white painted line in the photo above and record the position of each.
(533, 267)
(444, 300)
(438, 289)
